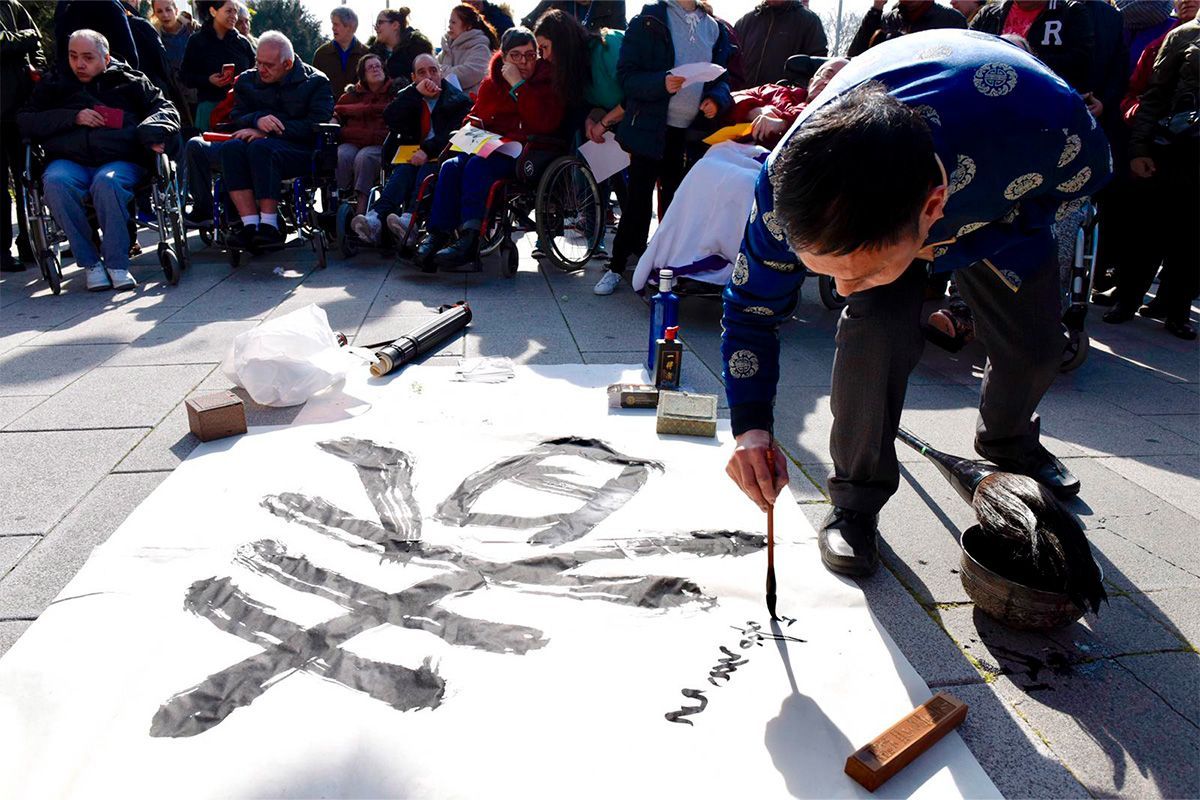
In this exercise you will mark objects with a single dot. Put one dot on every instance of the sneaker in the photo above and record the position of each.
(607, 284)
(398, 225)
(121, 279)
(97, 278)
(366, 227)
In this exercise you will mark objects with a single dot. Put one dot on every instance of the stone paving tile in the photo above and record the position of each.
(10, 631)
(13, 407)
(1100, 428)
(108, 326)
(109, 397)
(244, 295)
(1186, 425)
(1130, 567)
(1012, 754)
(1176, 479)
(1114, 734)
(181, 343)
(1175, 677)
(11, 337)
(48, 472)
(13, 549)
(44, 371)
(41, 575)
(1144, 396)
(1176, 609)
(806, 482)
(406, 292)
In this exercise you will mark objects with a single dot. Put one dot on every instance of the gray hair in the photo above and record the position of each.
(92, 36)
(286, 53)
(346, 15)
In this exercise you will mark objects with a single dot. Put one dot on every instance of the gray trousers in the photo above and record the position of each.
(879, 343)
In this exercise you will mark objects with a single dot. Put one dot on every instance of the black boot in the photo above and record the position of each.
(463, 251)
(849, 542)
(429, 248)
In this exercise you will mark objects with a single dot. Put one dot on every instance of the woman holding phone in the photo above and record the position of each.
(215, 55)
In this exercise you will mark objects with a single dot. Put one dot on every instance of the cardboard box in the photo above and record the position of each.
(687, 414)
(216, 415)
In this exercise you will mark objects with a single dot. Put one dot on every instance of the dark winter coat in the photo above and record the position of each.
(1109, 57)
(646, 55)
(300, 101)
(403, 116)
(360, 112)
(206, 53)
(328, 61)
(49, 118)
(106, 17)
(1061, 36)
(399, 64)
(534, 108)
(1174, 86)
(594, 16)
(497, 17)
(891, 23)
(154, 64)
(20, 51)
(768, 35)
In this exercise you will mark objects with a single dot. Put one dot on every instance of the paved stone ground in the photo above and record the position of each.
(91, 421)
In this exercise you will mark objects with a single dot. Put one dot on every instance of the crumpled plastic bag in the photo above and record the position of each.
(285, 361)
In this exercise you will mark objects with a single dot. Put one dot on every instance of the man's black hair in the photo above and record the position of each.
(855, 175)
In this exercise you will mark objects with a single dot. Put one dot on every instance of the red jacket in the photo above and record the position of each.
(532, 109)
(361, 113)
(788, 100)
(1141, 78)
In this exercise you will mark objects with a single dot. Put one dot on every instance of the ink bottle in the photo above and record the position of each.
(664, 313)
(668, 361)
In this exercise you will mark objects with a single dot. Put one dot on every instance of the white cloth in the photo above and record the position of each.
(707, 216)
(466, 58)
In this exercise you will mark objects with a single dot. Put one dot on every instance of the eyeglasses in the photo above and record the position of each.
(524, 58)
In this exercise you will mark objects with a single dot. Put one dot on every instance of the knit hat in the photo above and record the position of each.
(1141, 14)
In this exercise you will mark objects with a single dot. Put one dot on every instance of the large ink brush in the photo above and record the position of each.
(771, 539)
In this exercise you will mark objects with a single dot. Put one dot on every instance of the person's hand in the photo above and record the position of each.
(249, 134)
(1143, 167)
(765, 127)
(90, 118)
(748, 468)
(708, 108)
(158, 148)
(674, 83)
(429, 88)
(220, 79)
(270, 124)
(511, 74)
(1094, 106)
(419, 158)
(595, 131)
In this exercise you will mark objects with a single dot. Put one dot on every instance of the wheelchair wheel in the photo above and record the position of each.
(346, 242)
(495, 232)
(51, 269)
(206, 236)
(319, 246)
(1076, 351)
(169, 262)
(569, 213)
(829, 293)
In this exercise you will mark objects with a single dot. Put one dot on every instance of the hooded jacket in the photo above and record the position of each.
(404, 114)
(466, 58)
(300, 100)
(49, 119)
(360, 112)
(768, 35)
(532, 108)
(1061, 36)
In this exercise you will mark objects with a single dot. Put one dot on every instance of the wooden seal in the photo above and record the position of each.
(896, 747)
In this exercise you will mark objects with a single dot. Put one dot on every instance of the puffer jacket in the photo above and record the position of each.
(300, 101)
(533, 108)
(1174, 86)
(49, 118)
(466, 58)
(360, 112)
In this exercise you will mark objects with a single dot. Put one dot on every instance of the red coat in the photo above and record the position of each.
(360, 111)
(534, 108)
(788, 100)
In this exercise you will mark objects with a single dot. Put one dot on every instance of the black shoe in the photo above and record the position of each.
(1153, 310)
(195, 219)
(25, 252)
(242, 238)
(269, 237)
(1119, 314)
(1183, 329)
(1108, 297)
(463, 251)
(849, 542)
(1042, 466)
(10, 264)
(429, 248)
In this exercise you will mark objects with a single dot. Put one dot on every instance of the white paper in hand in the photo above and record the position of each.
(605, 160)
(697, 72)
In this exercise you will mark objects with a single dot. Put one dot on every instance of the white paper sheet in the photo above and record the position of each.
(605, 160)
(697, 72)
(216, 647)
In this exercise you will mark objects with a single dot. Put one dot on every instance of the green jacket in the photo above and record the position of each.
(605, 89)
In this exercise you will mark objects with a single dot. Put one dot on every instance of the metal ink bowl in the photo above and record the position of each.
(1007, 601)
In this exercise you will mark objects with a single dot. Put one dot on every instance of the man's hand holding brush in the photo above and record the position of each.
(749, 469)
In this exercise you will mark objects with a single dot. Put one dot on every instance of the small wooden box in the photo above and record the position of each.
(216, 415)
(687, 414)
(896, 747)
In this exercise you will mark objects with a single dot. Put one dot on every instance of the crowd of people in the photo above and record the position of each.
(121, 86)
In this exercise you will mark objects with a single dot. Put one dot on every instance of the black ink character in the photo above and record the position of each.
(686, 711)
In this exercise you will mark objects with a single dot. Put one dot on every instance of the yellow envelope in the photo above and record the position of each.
(405, 152)
(729, 132)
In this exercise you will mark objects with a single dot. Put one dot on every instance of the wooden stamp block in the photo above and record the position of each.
(896, 747)
(216, 415)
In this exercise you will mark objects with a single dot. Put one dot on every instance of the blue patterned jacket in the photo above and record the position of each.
(1020, 150)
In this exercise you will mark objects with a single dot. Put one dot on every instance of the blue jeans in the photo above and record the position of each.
(263, 165)
(66, 185)
(460, 199)
(401, 188)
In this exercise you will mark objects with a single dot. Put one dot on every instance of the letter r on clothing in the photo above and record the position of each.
(1053, 29)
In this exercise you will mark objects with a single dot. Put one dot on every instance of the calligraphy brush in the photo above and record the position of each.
(771, 539)
(1041, 535)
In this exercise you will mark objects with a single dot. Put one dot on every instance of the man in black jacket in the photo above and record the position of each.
(1059, 33)
(423, 116)
(98, 122)
(275, 108)
(20, 53)
(907, 16)
(771, 33)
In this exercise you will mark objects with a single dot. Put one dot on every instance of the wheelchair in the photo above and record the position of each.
(297, 205)
(166, 218)
(1083, 272)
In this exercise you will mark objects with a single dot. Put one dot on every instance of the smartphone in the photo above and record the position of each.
(227, 71)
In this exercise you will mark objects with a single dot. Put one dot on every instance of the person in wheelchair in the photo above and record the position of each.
(275, 108)
(98, 123)
(422, 117)
(360, 112)
(517, 99)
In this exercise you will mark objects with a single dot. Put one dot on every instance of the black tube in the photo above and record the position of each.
(964, 474)
(414, 344)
